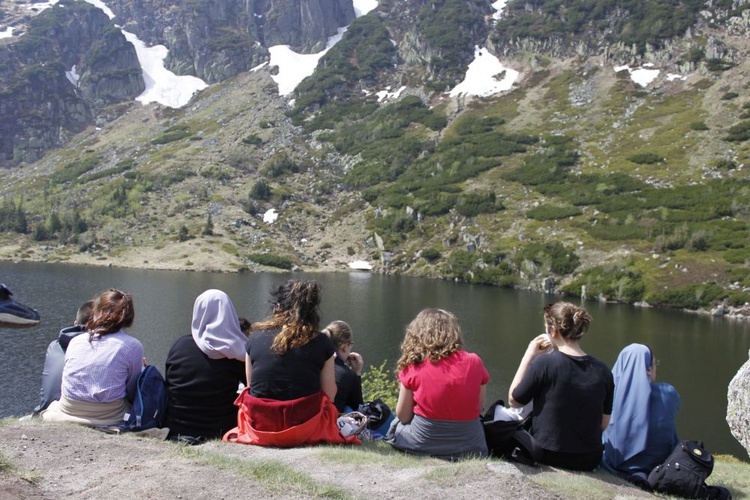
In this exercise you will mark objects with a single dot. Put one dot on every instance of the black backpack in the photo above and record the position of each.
(684, 472)
(509, 439)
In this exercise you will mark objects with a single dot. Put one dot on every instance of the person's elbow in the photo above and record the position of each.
(512, 401)
(404, 415)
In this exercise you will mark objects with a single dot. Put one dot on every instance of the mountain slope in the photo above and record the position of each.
(580, 179)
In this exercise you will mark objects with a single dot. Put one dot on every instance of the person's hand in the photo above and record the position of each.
(540, 344)
(356, 362)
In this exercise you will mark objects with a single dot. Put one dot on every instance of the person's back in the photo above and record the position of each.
(204, 370)
(571, 391)
(54, 359)
(441, 392)
(291, 383)
(642, 432)
(101, 368)
(291, 375)
(348, 367)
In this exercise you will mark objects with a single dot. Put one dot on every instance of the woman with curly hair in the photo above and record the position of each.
(572, 392)
(289, 365)
(101, 368)
(441, 392)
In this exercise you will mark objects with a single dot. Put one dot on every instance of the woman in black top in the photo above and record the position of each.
(204, 370)
(571, 391)
(287, 357)
(347, 365)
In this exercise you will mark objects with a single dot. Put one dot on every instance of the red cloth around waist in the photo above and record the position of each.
(297, 422)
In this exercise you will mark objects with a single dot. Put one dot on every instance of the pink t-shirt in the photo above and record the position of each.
(448, 389)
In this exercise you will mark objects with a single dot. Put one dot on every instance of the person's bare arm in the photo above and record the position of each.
(248, 370)
(405, 405)
(538, 345)
(328, 378)
(605, 421)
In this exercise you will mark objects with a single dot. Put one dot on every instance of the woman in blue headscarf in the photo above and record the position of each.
(642, 431)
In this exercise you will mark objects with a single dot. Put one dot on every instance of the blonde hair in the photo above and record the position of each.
(295, 313)
(433, 335)
(568, 319)
(339, 332)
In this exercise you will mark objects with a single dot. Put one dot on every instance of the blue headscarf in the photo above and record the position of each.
(626, 434)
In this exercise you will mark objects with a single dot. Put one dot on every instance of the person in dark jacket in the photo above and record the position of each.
(348, 367)
(204, 370)
(54, 360)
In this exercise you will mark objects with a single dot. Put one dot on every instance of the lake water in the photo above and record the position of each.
(699, 355)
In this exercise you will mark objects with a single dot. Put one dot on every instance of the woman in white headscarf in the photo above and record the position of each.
(204, 370)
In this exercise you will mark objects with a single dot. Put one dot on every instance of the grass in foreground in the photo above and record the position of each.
(8, 466)
(272, 474)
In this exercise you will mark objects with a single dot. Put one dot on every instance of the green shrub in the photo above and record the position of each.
(739, 132)
(278, 165)
(691, 297)
(645, 158)
(728, 96)
(550, 211)
(558, 258)
(260, 190)
(172, 134)
(378, 382)
(612, 283)
(699, 126)
(716, 64)
(473, 204)
(725, 164)
(252, 140)
(431, 254)
(271, 260)
(71, 172)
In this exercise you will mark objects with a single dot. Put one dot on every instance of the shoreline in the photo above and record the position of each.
(212, 265)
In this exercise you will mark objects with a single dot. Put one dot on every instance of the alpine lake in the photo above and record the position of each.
(699, 355)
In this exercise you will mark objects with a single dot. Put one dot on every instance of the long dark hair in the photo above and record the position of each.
(113, 310)
(295, 311)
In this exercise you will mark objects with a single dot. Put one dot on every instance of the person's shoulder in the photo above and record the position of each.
(182, 342)
(664, 388)
(469, 357)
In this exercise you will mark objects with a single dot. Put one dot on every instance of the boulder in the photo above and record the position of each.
(738, 406)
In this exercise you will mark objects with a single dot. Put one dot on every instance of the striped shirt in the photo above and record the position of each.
(103, 370)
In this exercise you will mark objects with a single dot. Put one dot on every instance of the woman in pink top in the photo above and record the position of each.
(441, 391)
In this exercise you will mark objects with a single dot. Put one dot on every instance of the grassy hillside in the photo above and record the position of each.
(578, 178)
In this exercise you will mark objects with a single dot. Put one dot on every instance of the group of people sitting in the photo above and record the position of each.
(287, 380)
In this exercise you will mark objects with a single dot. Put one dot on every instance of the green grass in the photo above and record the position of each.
(272, 474)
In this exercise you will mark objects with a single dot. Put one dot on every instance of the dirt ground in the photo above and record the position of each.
(50, 461)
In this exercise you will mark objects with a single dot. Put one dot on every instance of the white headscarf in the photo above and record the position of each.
(216, 327)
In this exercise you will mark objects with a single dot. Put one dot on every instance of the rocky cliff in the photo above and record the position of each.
(217, 39)
(70, 62)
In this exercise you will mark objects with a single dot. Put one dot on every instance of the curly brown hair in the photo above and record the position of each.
(295, 312)
(113, 310)
(568, 319)
(433, 335)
